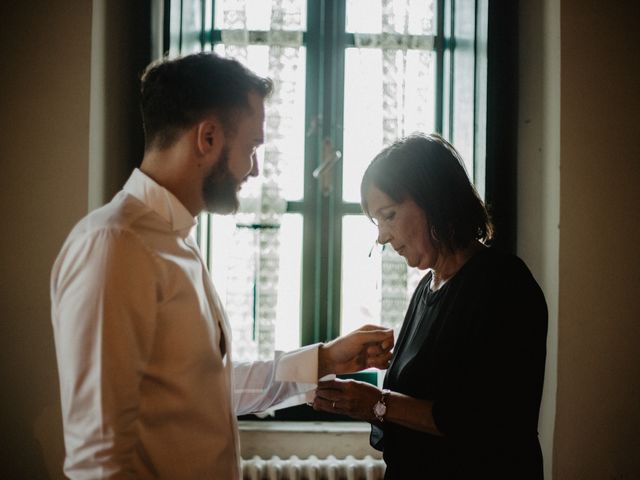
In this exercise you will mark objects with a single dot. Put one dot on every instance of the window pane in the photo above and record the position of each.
(261, 14)
(282, 158)
(257, 273)
(388, 94)
(287, 335)
(189, 22)
(262, 275)
(376, 287)
(415, 17)
(362, 116)
(364, 16)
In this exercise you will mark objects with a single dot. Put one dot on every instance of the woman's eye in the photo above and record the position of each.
(390, 216)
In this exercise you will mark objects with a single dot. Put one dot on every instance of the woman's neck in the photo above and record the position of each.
(450, 263)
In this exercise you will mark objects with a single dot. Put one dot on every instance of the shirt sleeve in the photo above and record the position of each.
(277, 383)
(103, 291)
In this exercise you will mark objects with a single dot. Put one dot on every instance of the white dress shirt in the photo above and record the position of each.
(146, 390)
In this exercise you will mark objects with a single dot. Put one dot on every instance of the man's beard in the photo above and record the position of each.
(219, 189)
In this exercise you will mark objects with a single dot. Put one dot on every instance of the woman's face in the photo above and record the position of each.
(405, 226)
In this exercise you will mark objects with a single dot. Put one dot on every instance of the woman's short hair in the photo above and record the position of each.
(429, 170)
(178, 93)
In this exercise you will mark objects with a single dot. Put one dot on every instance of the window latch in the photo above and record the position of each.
(324, 171)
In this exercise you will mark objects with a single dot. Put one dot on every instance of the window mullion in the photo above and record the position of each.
(323, 222)
(310, 309)
(440, 49)
(333, 130)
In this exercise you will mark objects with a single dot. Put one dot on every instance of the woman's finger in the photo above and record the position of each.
(327, 405)
(336, 384)
(329, 395)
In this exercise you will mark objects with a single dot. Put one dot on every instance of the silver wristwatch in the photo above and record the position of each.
(380, 408)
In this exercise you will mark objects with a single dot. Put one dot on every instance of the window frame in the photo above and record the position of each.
(325, 40)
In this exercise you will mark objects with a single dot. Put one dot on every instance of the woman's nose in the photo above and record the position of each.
(383, 235)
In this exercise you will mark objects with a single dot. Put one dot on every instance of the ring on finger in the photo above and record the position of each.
(333, 404)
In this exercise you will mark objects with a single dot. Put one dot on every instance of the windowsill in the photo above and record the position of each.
(303, 439)
(304, 427)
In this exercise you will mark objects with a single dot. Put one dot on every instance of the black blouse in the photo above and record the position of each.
(476, 348)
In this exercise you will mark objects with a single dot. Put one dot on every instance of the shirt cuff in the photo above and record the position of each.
(299, 366)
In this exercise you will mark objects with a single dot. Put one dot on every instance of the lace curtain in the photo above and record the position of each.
(397, 280)
(267, 35)
(252, 280)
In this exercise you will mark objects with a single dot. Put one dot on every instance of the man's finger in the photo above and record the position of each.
(380, 332)
(381, 361)
(379, 348)
(370, 327)
(384, 338)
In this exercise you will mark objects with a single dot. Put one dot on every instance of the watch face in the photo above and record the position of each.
(380, 409)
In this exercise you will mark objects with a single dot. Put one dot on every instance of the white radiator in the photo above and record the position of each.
(313, 468)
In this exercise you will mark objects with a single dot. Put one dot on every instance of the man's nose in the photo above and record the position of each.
(255, 171)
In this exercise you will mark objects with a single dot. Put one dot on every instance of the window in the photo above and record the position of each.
(298, 263)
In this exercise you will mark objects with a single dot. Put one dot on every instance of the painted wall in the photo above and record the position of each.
(578, 108)
(44, 124)
(579, 220)
(70, 136)
(539, 178)
(597, 432)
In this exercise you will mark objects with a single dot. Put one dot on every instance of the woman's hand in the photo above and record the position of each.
(368, 346)
(347, 397)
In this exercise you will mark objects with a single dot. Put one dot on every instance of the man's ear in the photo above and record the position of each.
(209, 137)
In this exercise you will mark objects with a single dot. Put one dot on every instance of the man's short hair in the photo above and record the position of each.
(178, 93)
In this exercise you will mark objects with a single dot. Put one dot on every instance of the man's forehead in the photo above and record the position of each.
(250, 121)
(256, 102)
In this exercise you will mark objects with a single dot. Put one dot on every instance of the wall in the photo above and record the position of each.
(44, 99)
(71, 134)
(582, 110)
(539, 178)
(598, 399)
(120, 49)
(578, 230)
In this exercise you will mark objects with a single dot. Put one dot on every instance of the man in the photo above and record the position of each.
(148, 386)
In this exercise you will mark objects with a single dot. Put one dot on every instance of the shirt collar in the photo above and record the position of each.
(161, 201)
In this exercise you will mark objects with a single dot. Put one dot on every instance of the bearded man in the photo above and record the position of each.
(148, 384)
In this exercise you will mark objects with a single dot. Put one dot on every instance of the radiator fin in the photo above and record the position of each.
(313, 468)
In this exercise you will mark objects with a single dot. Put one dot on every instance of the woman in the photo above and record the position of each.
(462, 392)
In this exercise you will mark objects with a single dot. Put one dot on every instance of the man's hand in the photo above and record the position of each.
(368, 346)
